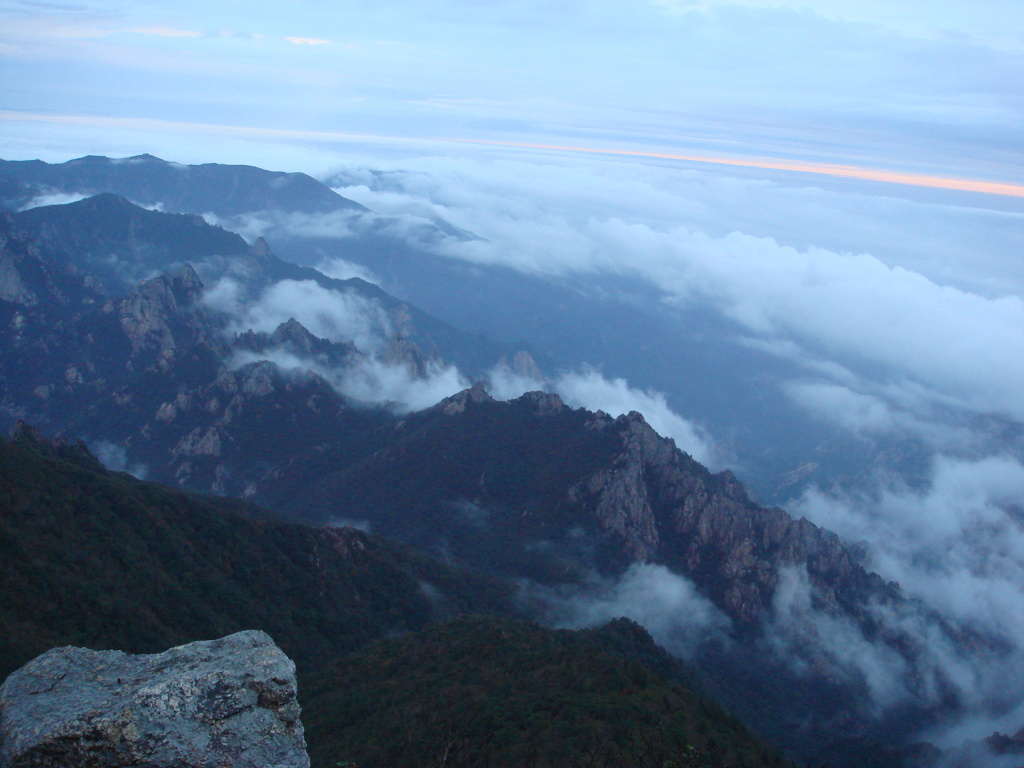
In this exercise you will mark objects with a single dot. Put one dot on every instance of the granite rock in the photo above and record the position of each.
(227, 703)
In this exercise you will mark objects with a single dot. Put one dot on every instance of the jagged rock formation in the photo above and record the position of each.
(167, 376)
(598, 494)
(574, 501)
(212, 704)
(133, 565)
(665, 508)
(292, 338)
(163, 315)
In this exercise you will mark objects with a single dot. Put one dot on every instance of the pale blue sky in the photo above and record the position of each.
(933, 87)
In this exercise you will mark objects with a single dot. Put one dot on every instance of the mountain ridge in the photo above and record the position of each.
(233, 395)
(223, 190)
(101, 559)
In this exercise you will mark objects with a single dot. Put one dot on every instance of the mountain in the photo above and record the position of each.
(96, 354)
(487, 481)
(699, 359)
(121, 244)
(100, 559)
(486, 691)
(597, 516)
(223, 190)
(96, 558)
(229, 371)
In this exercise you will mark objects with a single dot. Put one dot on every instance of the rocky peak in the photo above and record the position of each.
(665, 507)
(457, 403)
(522, 364)
(291, 331)
(185, 285)
(731, 486)
(23, 433)
(162, 312)
(261, 249)
(295, 339)
(542, 403)
(32, 438)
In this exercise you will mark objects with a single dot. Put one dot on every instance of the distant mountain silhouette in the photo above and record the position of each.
(223, 190)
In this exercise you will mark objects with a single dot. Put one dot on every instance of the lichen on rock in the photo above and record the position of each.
(220, 703)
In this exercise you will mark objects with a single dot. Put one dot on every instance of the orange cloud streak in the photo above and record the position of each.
(846, 171)
(825, 169)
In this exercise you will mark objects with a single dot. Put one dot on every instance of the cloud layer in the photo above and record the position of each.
(957, 545)
(898, 331)
(668, 605)
(878, 329)
(339, 316)
(588, 388)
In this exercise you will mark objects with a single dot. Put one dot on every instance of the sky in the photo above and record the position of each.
(843, 181)
(926, 88)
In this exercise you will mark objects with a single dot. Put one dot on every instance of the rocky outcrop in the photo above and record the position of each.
(29, 277)
(212, 704)
(31, 437)
(457, 403)
(159, 316)
(292, 338)
(665, 507)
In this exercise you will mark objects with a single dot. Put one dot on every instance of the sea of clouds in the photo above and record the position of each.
(899, 314)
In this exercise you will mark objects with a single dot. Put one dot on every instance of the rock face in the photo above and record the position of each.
(218, 703)
(664, 507)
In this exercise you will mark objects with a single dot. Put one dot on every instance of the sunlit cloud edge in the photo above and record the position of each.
(823, 169)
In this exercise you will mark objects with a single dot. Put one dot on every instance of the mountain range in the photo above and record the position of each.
(621, 326)
(181, 353)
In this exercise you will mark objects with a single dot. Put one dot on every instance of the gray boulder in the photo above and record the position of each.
(227, 703)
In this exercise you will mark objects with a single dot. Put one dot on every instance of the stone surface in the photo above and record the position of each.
(227, 703)
(662, 506)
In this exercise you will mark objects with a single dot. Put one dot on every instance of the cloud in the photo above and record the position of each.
(307, 40)
(376, 381)
(668, 605)
(339, 316)
(340, 269)
(918, 334)
(909, 657)
(505, 384)
(326, 313)
(250, 226)
(335, 226)
(54, 198)
(868, 414)
(254, 224)
(372, 381)
(165, 32)
(813, 641)
(589, 389)
(115, 457)
(957, 545)
(780, 164)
